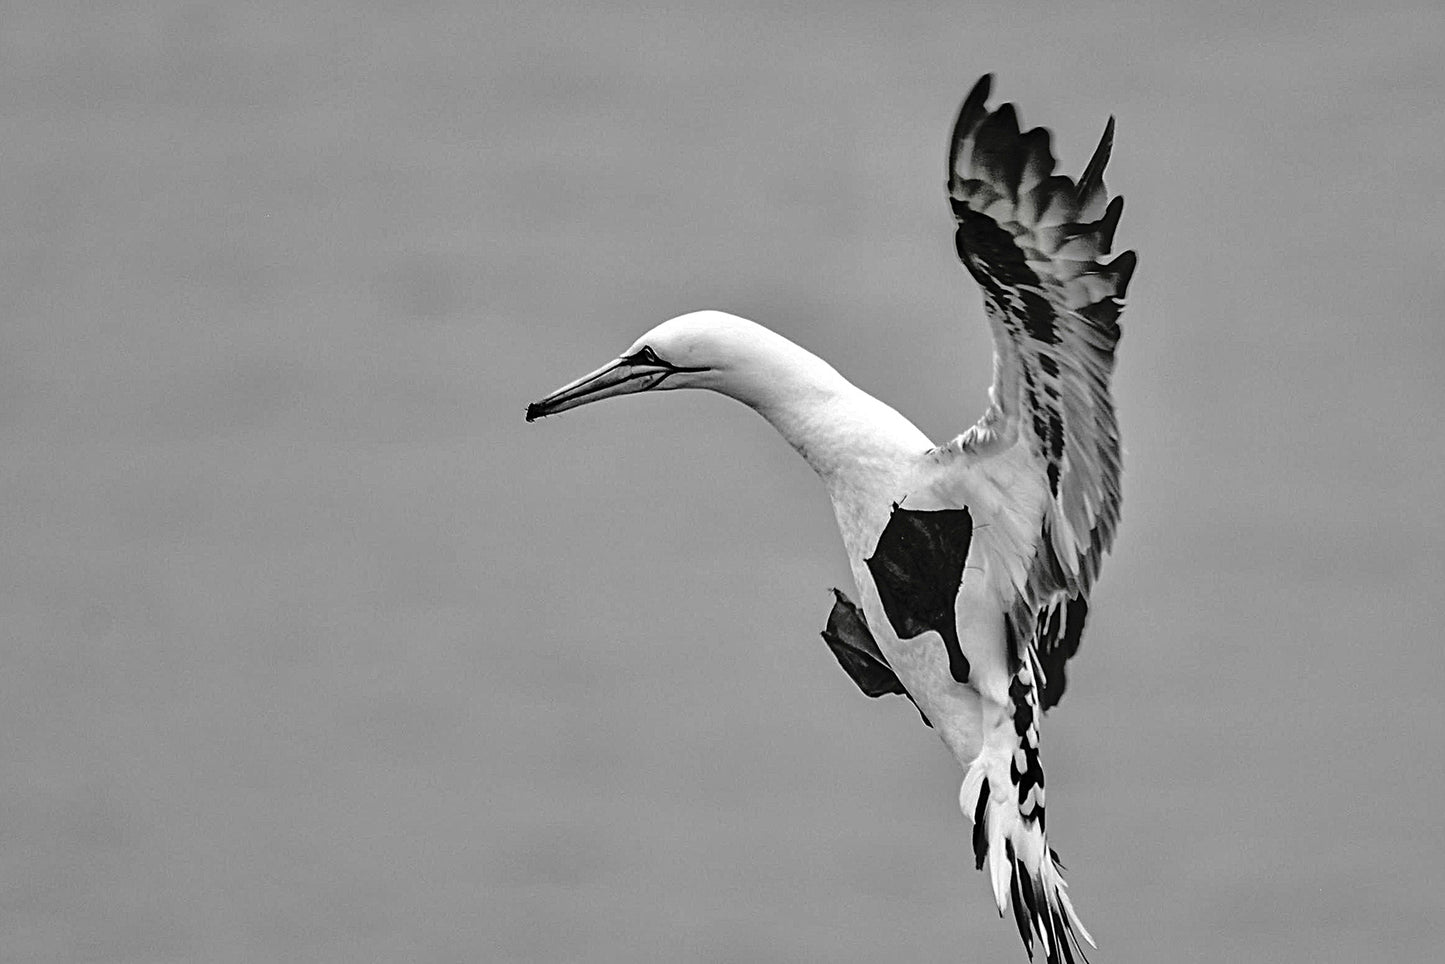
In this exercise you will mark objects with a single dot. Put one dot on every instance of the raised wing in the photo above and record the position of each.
(1034, 240)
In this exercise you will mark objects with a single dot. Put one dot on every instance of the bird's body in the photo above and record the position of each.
(972, 559)
(870, 459)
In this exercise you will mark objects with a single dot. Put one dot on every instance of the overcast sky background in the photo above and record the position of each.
(314, 651)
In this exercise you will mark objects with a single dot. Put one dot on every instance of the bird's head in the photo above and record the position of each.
(703, 349)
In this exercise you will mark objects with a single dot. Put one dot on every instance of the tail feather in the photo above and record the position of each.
(1003, 792)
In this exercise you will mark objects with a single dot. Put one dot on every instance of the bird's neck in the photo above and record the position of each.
(844, 434)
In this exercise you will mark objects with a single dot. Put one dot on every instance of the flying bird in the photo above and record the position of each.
(973, 559)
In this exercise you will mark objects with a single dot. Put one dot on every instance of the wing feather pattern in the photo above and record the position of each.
(1035, 242)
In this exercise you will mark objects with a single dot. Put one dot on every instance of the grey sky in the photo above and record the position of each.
(315, 651)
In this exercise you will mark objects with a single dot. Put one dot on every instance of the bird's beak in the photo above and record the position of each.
(621, 377)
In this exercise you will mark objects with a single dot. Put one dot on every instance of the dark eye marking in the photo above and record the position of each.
(646, 356)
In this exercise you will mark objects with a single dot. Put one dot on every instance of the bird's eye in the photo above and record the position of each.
(645, 355)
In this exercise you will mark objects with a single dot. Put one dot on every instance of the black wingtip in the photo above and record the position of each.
(1109, 223)
(969, 114)
(1094, 173)
(978, 94)
(997, 153)
(534, 411)
(1123, 267)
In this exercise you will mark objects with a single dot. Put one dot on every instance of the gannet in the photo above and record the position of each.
(974, 559)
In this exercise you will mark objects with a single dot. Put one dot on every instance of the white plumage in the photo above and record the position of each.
(973, 559)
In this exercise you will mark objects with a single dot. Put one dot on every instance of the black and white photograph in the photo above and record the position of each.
(722, 483)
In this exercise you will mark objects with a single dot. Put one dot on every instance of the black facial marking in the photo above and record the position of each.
(853, 645)
(918, 568)
(646, 356)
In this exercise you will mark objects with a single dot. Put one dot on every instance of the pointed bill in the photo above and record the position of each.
(619, 377)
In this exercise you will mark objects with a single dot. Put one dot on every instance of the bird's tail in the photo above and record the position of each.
(1003, 793)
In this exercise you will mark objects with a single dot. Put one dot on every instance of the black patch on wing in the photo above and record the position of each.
(1059, 633)
(853, 645)
(918, 568)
